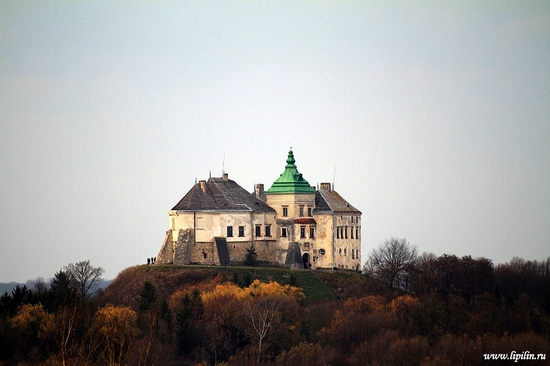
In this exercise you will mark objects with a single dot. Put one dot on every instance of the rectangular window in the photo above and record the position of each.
(229, 231)
(241, 231)
(301, 211)
(312, 232)
(309, 211)
(283, 232)
(346, 232)
(258, 230)
(357, 233)
(302, 231)
(285, 211)
(268, 230)
(338, 232)
(352, 231)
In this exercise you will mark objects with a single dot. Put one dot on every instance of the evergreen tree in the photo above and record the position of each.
(61, 290)
(148, 298)
(251, 256)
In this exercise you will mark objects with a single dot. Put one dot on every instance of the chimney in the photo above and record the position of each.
(225, 176)
(325, 187)
(259, 191)
(202, 184)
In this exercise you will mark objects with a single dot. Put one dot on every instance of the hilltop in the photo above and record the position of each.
(170, 279)
(457, 311)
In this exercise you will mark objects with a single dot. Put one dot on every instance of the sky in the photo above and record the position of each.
(431, 118)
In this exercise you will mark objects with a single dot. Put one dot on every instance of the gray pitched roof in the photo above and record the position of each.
(220, 195)
(331, 201)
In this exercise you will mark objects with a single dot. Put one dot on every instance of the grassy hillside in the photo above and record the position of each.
(169, 279)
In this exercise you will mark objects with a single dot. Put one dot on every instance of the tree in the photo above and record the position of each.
(84, 277)
(116, 328)
(187, 316)
(391, 262)
(62, 291)
(148, 302)
(29, 331)
(147, 299)
(266, 306)
(251, 256)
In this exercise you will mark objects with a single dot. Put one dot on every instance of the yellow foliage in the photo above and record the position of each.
(120, 322)
(225, 290)
(32, 319)
(116, 326)
(261, 289)
(402, 303)
(255, 290)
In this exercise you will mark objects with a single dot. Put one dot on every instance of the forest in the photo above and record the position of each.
(403, 309)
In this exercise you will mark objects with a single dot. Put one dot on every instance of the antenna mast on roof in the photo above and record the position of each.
(223, 165)
(333, 176)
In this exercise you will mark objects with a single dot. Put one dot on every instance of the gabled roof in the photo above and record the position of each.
(291, 181)
(331, 201)
(222, 195)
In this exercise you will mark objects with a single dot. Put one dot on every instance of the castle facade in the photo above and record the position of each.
(291, 224)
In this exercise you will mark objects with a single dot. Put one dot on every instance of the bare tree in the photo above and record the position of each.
(391, 261)
(84, 277)
(262, 315)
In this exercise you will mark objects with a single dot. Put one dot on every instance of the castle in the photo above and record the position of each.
(291, 224)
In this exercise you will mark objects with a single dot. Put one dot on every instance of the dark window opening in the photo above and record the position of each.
(258, 230)
(302, 232)
(229, 231)
(283, 232)
(268, 230)
(241, 231)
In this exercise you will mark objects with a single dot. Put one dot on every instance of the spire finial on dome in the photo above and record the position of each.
(290, 181)
(290, 160)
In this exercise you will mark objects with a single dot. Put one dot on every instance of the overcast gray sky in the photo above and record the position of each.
(432, 119)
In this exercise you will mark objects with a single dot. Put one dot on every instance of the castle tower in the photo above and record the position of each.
(294, 201)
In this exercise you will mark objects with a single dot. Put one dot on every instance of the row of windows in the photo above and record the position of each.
(284, 232)
(353, 219)
(267, 231)
(354, 253)
(342, 232)
(303, 232)
(301, 212)
(241, 231)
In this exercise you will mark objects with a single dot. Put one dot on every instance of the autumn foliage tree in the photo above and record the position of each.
(115, 328)
(257, 314)
(444, 310)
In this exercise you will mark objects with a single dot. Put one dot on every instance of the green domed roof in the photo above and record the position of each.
(291, 181)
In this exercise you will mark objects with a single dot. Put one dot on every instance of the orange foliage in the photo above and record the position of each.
(404, 303)
(31, 320)
(367, 304)
(256, 289)
(116, 328)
